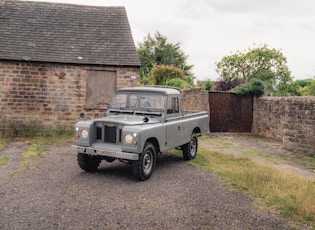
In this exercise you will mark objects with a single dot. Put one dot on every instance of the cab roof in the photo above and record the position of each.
(149, 89)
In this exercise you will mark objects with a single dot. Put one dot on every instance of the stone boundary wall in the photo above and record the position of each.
(50, 94)
(196, 99)
(291, 119)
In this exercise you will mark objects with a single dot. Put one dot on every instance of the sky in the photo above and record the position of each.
(208, 30)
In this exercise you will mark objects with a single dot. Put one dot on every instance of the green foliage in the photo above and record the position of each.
(304, 87)
(254, 87)
(2, 143)
(292, 195)
(304, 82)
(156, 50)
(205, 85)
(4, 160)
(168, 75)
(311, 89)
(159, 74)
(208, 85)
(267, 65)
(287, 89)
(178, 83)
(34, 128)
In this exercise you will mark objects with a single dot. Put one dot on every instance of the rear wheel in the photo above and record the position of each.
(88, 163)
(190, 149)
(143, 168)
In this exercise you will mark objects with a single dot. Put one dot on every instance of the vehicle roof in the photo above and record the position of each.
(149, 89)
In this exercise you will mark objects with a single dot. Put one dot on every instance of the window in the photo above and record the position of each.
(172, 105)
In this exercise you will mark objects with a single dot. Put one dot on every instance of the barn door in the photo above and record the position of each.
(100, 87)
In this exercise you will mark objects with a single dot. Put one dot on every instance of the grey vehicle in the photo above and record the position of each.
(141, 122)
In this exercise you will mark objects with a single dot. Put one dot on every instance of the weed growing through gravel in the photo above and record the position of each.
(293, 195)
(37, 147)
(2, 143)
(34, 151)
(4, 160)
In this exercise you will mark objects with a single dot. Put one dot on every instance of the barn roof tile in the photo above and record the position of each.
(66, 33)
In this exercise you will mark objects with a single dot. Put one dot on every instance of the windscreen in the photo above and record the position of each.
(153, 102)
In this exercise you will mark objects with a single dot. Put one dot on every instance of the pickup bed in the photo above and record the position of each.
(141, 122)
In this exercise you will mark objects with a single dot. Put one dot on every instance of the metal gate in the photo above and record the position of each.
(230, 112)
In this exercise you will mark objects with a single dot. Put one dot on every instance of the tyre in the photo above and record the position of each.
(110, 159)
(88, 163)
(190, 149)
(142, 169)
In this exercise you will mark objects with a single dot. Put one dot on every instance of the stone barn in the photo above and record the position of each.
(58, 60)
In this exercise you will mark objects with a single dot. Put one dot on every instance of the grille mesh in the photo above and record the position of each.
(110, 134)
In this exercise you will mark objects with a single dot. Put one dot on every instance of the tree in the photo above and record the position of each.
(155, 50)
(205, 85)
(261, 63)
(305, 87)
(254, 87)
(287, 89)
(178, 83)
(304, 82)
(311, 89)
(168, 75)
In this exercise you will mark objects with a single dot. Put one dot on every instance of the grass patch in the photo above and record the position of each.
(34, 129)
(37, 147)
(252, 152)
(30, 156)
(2, 143)
(33, 153)
(292, 195)
(4, 160)
(220, 144)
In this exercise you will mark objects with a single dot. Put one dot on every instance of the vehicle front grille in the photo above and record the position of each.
(98, 133)
(110, 134)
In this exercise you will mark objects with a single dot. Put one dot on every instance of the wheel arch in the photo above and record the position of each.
(155, 142)
(197, 131)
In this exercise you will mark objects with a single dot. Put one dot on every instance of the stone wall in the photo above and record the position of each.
(291, 119)
(50, 94)
(196, 99)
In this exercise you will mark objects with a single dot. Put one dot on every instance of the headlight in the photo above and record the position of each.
(128, 138)
(84, 133)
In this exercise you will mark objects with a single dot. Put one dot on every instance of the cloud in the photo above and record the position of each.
(208, 30)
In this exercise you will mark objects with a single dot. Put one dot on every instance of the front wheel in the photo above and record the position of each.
(143, 168)
(88, 163)
(190, 149)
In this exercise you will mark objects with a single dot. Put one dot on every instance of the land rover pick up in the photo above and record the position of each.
(141, 122)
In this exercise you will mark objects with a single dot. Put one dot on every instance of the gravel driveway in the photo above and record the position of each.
(56, 194)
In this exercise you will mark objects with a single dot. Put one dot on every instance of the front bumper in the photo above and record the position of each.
(108, 153)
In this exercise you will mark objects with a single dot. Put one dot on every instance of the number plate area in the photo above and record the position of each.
(114, 152)
(86, 150)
